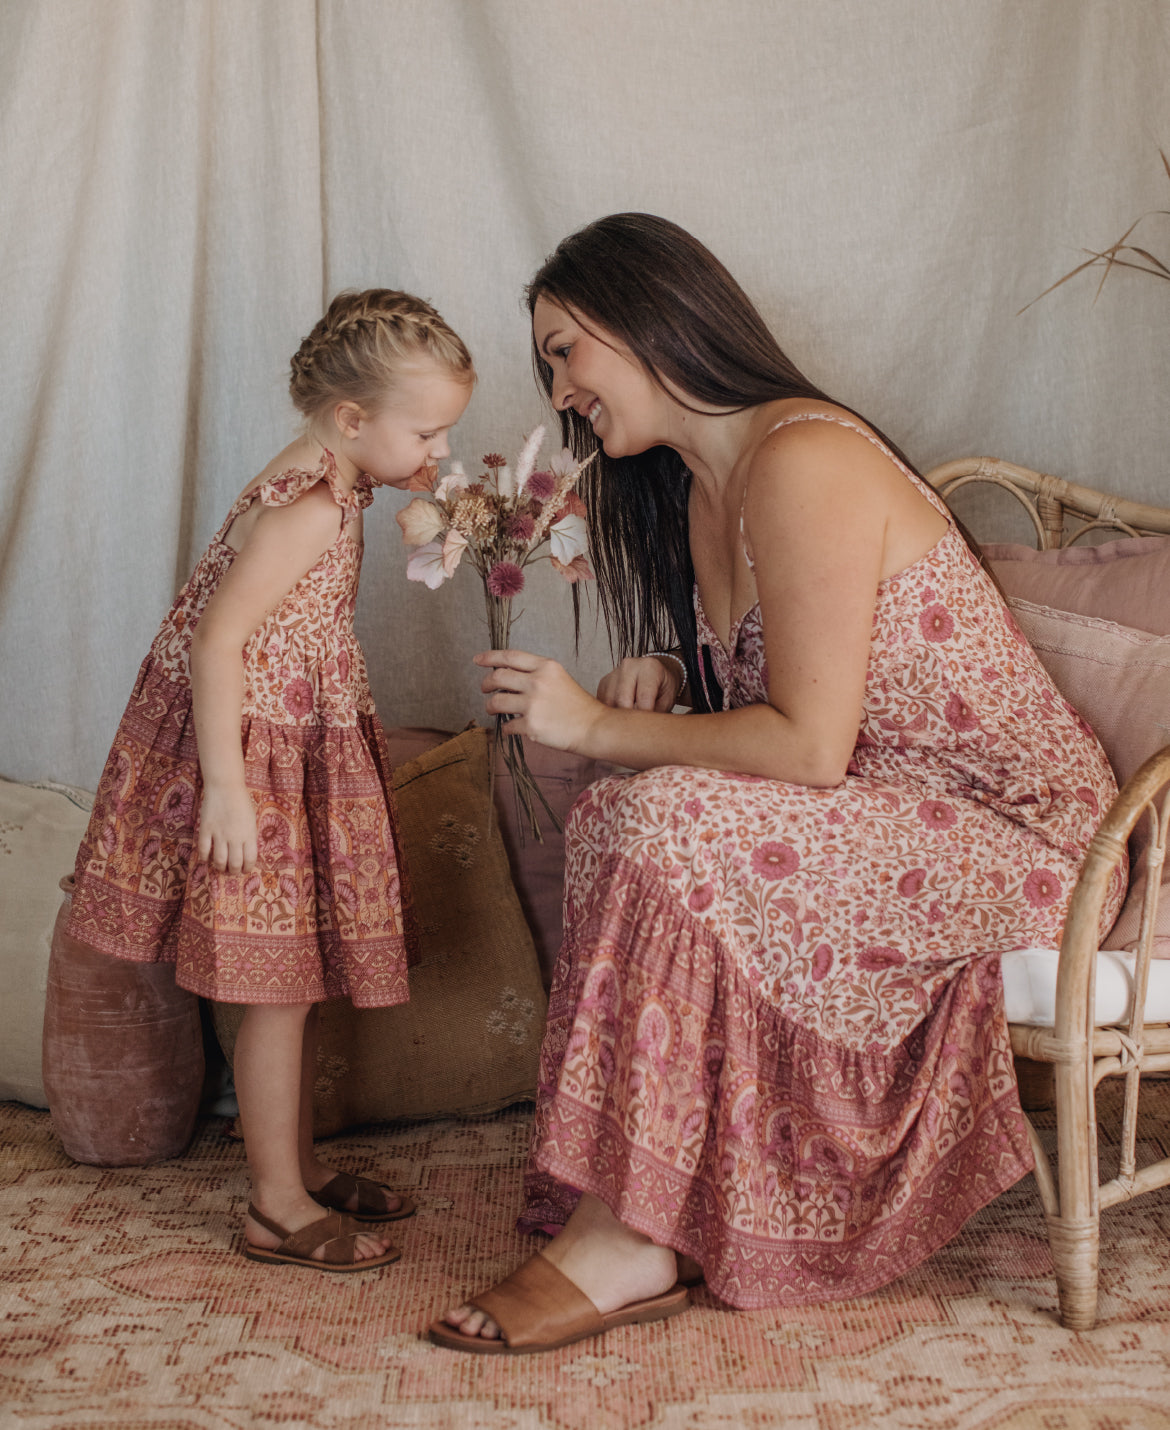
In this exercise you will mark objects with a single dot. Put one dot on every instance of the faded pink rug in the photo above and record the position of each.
(124, 1302)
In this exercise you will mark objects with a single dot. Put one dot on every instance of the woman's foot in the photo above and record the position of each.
(690, 1273)
(375, 1203)
(293, 1214)
(610, 1263)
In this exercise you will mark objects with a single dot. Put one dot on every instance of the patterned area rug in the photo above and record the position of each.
(125, 1303)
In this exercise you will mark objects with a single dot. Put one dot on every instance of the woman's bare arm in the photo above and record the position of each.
(817, 513)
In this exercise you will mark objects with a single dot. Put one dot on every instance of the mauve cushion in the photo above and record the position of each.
(1119, 680)
(1124, 581)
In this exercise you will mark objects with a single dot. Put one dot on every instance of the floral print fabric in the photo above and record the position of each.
(326, 914)
(776, 1038)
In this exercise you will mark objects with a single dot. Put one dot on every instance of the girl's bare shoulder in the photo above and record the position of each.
(300, 455)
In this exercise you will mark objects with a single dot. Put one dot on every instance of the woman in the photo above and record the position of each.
(776, 1043)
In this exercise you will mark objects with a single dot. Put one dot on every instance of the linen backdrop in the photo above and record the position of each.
(186, 182)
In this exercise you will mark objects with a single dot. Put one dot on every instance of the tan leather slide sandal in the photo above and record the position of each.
(336, 1235)
(538, 1308)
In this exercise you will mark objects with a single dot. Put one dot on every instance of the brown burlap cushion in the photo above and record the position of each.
(468, 1040)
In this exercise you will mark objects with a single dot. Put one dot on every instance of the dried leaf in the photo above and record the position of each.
(1072, 273)
(1109, 257)
(1164, 272)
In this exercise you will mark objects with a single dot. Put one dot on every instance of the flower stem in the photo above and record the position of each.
(525, 789)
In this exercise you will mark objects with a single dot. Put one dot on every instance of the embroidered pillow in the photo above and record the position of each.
(538, 865)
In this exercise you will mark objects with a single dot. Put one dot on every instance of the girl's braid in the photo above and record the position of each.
(364, 338)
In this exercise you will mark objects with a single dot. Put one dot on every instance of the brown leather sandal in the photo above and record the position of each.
(539, 1309)
(371, 1198)
(336, 1234)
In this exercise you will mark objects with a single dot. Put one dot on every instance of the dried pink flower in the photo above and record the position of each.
(540, 486)
(505, 579)
(520, 527)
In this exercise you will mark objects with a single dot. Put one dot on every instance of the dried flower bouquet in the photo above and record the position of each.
(501, 521)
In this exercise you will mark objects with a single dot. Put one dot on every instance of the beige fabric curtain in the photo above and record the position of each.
(186, 181)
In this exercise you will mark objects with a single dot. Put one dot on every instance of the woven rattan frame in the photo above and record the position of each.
(1074, 1055)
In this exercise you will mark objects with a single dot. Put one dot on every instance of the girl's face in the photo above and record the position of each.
(409, 430)
(596, 375)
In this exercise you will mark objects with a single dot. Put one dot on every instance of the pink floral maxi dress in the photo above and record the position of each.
(776, 1037)
(327, 913)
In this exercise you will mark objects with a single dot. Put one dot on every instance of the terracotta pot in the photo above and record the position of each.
(122, 1054)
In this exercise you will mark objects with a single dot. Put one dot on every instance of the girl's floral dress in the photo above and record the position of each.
(776, 1037)
(327, 913)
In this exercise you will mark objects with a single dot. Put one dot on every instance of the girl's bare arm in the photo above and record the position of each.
(281, 547)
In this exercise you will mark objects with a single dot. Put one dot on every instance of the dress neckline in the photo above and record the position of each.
(923, 487)
(738, 624)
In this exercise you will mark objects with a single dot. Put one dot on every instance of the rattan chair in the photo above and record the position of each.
(1074, 1054)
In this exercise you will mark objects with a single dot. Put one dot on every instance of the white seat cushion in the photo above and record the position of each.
(1029, 987)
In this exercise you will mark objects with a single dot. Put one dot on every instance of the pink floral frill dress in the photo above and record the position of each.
(327, 913)
(776, 1038)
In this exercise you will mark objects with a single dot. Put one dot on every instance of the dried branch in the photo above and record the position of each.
(1110, 258)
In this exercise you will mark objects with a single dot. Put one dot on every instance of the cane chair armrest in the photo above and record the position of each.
(1074, 1035)
(1078, 951)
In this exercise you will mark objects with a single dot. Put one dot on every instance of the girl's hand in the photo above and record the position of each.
(641, 682)
(549, 704)
(227, 830)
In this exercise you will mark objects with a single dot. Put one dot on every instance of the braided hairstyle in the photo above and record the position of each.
(361, 344)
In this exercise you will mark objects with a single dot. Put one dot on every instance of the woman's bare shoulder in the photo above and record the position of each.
(814, 439)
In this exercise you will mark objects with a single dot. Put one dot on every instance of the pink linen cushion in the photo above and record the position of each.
(1126, 581)
(1119, 680)
(538, 866)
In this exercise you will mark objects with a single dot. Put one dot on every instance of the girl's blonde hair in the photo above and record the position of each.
(361, 344)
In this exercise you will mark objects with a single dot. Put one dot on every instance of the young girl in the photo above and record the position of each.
(244, 827)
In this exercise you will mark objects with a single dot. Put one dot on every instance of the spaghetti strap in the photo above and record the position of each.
(285, 488)
(923, 487)
(294, 482)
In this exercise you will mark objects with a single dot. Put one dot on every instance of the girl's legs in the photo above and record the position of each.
(315, 1174)
(270, 1077)
(603, 1257)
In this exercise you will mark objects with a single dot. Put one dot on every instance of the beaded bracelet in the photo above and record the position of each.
(678, 660)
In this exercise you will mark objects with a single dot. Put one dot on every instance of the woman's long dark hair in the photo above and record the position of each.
(650, 284)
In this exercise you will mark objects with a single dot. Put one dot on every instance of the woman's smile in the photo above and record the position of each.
(586, 362)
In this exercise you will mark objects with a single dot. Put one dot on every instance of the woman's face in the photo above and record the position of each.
(596, 375)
